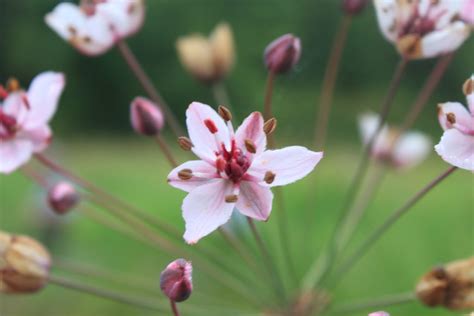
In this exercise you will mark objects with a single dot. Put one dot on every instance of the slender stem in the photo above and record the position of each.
(267, 105)
(430, 85)
(148, 86)
(35, 176)
(166, 150)
(278, 284)
(388, 300)
(318, 271)
(392, 219)
(108, 199)
(329, 81)
(220, 94)
(111, 295)
(174, 308)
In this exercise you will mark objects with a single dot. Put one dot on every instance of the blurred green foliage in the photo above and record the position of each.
(99, 89)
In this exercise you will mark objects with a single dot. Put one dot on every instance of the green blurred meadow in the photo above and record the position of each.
(93, 137)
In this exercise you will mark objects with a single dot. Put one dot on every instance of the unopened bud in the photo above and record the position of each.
(353, 7)
(24, 264)
(185, 143)
(224, 113)
(451, 286)
(146, 117)
(270, 126)
(62, 197)
(176, 280)
(282, 54)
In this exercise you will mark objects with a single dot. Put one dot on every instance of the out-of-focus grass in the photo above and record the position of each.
(438, 229)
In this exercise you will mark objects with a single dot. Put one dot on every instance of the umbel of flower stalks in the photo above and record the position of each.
(451, 286)
(24, 264)
(208, 59)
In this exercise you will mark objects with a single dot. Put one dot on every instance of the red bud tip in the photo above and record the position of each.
(62, 197)
(146, 117)
(211, 126)
(282, 54)
(176, 280)
(353, 7)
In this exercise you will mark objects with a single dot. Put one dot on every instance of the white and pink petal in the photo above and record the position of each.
(457, 149)
(411, 149)
(205, 209)
(386, 11)
(125, 16)
(202, 173)
(445, 40)
(252, 129)
(255, 200)
(14, 153)
(458, 113)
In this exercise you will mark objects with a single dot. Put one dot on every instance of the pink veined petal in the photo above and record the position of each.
(368, 124)
(205, 145)
(91, 35)
(125, 16)
(255, 201)
(386, 16)
(202, 174)
(252, 128)
(40, 137)
(14, 105)
(43, 98)
(289, 164)
(445, 40)
(411, 149)
(205, 209)
(462, 115)
(14, 153)
(457, 149)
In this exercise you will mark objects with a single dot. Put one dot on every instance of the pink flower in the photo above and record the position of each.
(234, 170)
(422, 28)
(24, 118)
(457, 143)
(94, 26)
(401, 151)
(379, 314)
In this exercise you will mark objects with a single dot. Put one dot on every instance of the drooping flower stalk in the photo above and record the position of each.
(105, 293)
(345, 267)
(384, 301)
(329, 81)
(148, 86)
(268, 261)
(322, 265)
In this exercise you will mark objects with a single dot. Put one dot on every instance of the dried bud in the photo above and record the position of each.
(353, 7)
(24, 264)
(282, 54)
(208, 59)
(451, 286)
(185, 143)
(224, 113)
(62, 197)
(270, 126)
(176, 280)
(146, 117)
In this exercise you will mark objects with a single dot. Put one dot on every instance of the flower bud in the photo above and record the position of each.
(146, 117)
(62, 197)
(353, 7)
(282, 54)
(176, 280)
(24, 264)
(450, 285)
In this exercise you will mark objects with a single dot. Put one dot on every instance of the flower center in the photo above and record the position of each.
(234, 162)
(8, 126)
(421, 24)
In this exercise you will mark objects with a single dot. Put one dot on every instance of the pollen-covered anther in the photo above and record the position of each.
(185, 174)
(13, 85)
(211, 126)
(250, 146)
(451, 117)
(231, 198)
(185, 143)
(224, 113)
(468, 87)
(269, 177)
(270, 126)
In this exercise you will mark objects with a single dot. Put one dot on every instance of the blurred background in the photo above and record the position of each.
(93, 136)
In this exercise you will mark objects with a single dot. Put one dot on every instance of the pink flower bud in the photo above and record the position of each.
(353, 7)
(379, 314)
(283, 53)
(62, 197)
(176, 280)
(146, 117)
